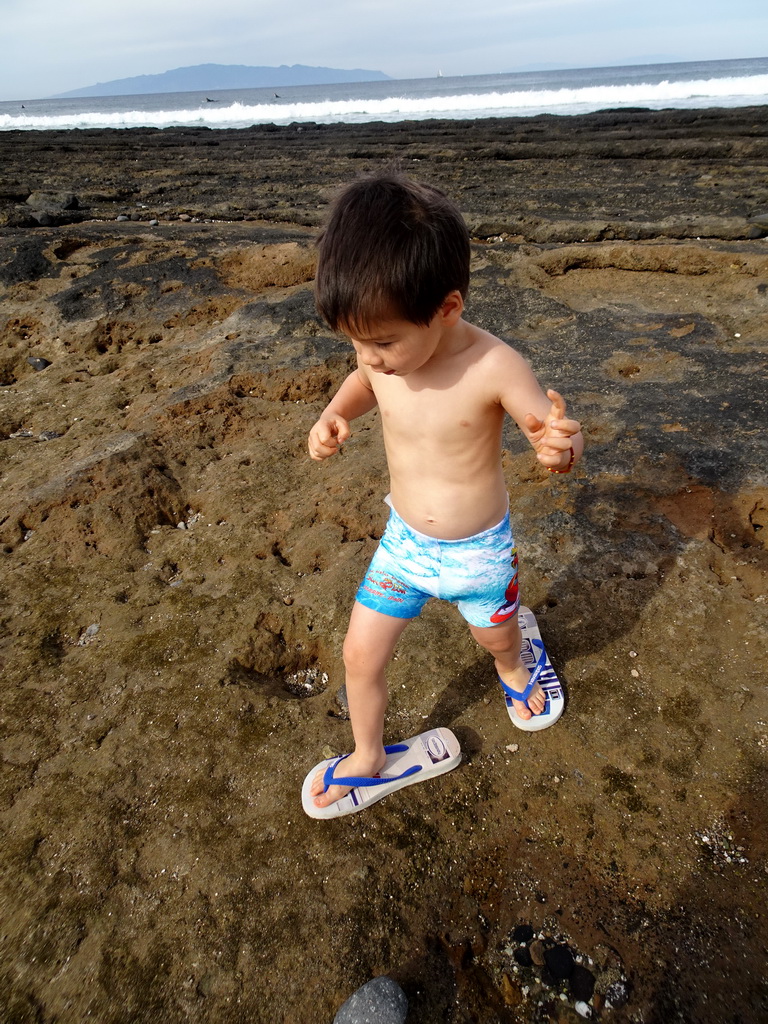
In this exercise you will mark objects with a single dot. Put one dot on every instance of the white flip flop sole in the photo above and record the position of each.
(422, 757)
(531, 654)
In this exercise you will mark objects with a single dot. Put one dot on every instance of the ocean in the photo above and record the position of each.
(693, 84)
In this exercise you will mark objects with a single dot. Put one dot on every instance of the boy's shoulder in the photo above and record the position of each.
(491, 348)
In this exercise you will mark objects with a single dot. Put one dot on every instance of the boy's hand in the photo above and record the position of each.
(327, 436)
(551, 437)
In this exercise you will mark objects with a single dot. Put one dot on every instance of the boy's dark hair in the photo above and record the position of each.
(392, 248)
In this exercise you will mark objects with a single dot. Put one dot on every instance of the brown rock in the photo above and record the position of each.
(511, 990)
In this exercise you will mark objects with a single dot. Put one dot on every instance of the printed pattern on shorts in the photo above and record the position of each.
(478, 574)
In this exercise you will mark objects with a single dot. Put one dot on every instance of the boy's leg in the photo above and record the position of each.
(368, 647)
(504, 642)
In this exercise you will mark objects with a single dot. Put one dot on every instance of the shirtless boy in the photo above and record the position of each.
(393, 274)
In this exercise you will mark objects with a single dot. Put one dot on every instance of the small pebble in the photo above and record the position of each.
(522, 933)
(512, 748)
(153, 223)
(633, 654)
(582, 1009)
(123, 217)
(635, 674)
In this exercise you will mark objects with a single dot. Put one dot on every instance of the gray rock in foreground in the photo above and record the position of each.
(380, 1001)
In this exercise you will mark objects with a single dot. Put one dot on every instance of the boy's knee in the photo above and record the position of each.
(497, 639)
(353, 652)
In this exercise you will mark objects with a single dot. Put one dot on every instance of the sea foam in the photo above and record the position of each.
(714, 92)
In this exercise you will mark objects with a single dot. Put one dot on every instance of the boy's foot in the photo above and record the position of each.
(524, 696)
(518, 679)
(352, 765)
(421, 757)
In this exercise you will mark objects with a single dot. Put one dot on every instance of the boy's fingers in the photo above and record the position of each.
(558, 404)
(568, 427)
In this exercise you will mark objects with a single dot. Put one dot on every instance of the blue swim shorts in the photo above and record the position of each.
(478, 574)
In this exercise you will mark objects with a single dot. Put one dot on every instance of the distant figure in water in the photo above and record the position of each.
(277, 95)
(209, 100)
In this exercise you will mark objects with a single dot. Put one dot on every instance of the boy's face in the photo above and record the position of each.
(399, 347)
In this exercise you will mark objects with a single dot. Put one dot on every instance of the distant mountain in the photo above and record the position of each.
(208, 77)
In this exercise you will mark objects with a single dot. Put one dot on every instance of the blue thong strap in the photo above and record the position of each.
(536, 672)
(330, 780)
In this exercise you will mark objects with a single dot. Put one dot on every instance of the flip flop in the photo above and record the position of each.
(535, 658)
(421, 757)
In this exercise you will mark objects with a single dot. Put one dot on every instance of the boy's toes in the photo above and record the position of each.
(331, 795)
(537, 701)
(522, 711)
(317, 785)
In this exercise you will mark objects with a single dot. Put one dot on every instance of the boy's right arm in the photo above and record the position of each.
(354, 398)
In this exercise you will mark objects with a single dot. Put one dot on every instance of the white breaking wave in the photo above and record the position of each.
(712, 92)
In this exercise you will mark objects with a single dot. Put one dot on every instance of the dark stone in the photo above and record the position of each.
(581, 983)
(523, 933)
(380, 1001)
(522, 956)
(38, 363)
(559, 961)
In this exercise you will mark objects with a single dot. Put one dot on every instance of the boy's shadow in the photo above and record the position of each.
(603, 563)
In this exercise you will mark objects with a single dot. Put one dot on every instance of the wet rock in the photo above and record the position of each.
(536, 951)
(523, 957)
(581, 983)
(511, 991)
(522, 933)
(380, 1001)
(559, 961)
(38, 363)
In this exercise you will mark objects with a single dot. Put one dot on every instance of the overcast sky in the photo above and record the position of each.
(52, 46)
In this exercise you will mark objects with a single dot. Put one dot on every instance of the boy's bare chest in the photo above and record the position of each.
(435, 414)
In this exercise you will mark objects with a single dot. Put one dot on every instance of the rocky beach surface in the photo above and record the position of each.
(176, 577)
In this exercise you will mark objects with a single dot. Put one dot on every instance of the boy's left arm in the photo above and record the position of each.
(556, 439)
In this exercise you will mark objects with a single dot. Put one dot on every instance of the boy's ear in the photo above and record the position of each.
(451, 309)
